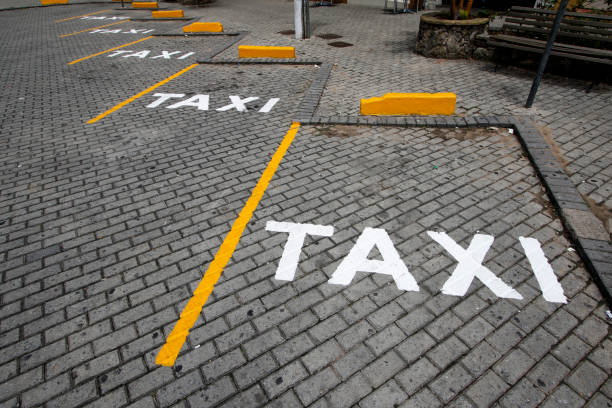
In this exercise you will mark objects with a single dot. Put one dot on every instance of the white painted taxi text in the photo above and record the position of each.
(469, 261)
(202, 102)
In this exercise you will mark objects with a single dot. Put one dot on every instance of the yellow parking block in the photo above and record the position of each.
(145, 4)
(442, 103)
(256, 51)
(49, 2)
(202, 27)
(168, 14)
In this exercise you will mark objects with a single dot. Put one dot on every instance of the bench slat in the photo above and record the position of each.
(567, 13)
(538, 50)
(556, 46)
(530, 26)
(564, 26)
(560, 34)
(571, 21)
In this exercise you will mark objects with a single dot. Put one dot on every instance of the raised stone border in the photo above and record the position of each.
(414, 121)
(310, 101)
(443, 38)
(586, 231)
(264, 61)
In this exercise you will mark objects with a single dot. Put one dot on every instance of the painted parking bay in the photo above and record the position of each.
(432, 202)
(120, 218)
(434, 195)
(157, 188)
(210, 94)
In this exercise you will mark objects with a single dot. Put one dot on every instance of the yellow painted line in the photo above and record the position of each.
(138, 95)
(109, 50)
(93, 28)
(169, 351)
(83, 15)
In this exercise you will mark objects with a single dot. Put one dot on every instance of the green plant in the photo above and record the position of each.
(457, 11)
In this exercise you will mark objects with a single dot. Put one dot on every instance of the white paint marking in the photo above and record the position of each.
(357, 261)
(551, 288)
(186, 55)
(105, 31)
(291, 254)
(470, 266)
(163, 97)
(269, 105)
(118, 52)
(238, 103)
(199, 101)
(140, 54)
(103, 18)
(165, 54)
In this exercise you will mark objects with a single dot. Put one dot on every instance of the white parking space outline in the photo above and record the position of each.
(104, 18)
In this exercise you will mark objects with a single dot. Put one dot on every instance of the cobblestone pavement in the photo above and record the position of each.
(382, 61)
(15, 4)
(107, 228)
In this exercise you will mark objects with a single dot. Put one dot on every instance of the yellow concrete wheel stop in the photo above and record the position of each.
(203, 27)
(256, 51)
(145, 4)
(441, 103)
(167, 14)
(49, 2)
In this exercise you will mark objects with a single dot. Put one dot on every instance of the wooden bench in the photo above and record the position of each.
(585, 37)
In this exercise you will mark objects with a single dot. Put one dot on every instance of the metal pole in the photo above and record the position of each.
(306, 18)
(547, 50)
(298, 20)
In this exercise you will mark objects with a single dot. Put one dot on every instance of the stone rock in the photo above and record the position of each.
(440, 38)
(481, 53)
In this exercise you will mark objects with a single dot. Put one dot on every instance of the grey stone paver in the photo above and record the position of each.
(106, 229)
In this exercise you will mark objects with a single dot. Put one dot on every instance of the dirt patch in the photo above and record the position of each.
(286, 32)
(601, 211)
(475, 134)
(338, 131)
(541, 197)
(340, 44)
(554, 146)
(329, 36)
(507, 138)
